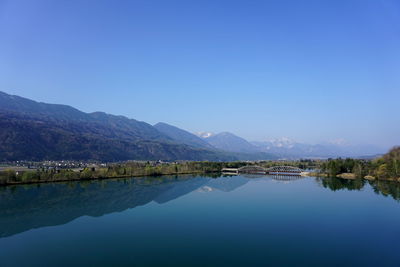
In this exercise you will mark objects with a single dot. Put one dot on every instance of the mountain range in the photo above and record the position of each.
(38, 131)
(289, 149)
(285, 148)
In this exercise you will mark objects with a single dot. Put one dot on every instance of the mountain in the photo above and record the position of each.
(117, 126)
(242, 150)
(38, 131)
(182, 136)
(232, 143)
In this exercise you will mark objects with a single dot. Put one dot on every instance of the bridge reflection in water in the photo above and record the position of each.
(257, 170)
(283, 178)
(287, 178)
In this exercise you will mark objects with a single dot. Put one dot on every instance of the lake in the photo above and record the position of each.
(199, 220)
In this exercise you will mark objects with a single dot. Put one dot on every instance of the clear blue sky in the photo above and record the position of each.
(309, 70)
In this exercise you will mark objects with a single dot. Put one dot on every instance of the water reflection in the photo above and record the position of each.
(385, 188)
(27, 207)
(335, 184)
(284, 178)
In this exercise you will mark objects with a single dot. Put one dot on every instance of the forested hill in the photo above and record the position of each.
(37, 131)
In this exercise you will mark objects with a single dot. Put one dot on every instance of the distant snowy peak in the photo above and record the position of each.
(339, 142)
(204, 134)
(283, 142)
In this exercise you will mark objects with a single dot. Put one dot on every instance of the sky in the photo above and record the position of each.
(313, 71)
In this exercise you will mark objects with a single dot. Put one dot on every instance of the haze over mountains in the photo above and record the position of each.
(285, 148)
(38, 131)
(229, 142)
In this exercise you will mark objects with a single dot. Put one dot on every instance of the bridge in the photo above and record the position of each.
(276, 170)
(284, 170)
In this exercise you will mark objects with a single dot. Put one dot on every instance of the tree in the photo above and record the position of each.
(382, 171)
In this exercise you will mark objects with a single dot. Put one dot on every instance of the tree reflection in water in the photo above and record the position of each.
(385, 188)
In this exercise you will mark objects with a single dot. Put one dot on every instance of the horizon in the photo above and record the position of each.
(313, 72)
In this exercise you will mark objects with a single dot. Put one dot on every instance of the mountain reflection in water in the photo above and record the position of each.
(27, 207)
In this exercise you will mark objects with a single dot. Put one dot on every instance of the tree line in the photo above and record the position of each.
(386, 167)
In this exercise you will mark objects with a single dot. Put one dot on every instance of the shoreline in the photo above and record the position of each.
(96, 178)
(345, 176)
(352, 176)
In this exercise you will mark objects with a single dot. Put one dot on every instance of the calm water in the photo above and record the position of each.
(189, 220)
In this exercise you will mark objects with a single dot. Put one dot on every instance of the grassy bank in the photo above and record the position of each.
(133, 169)
(128, 169)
